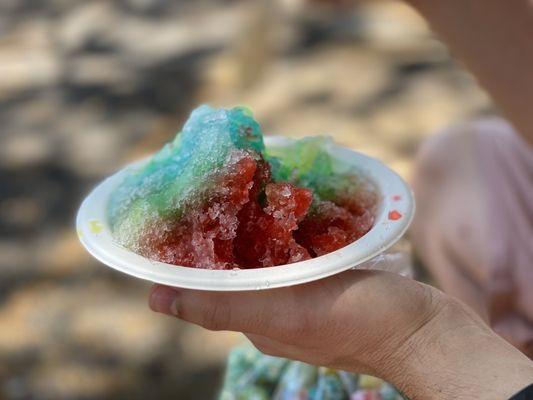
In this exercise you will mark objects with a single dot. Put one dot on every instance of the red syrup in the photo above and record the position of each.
(249, 221)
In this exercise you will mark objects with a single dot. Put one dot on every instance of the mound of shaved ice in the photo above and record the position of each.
(344, 201)
(216, 198)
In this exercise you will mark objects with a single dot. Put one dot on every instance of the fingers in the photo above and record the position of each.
(265, 312)
(370, 305)
(278, 313)
(214, 312)
(162, 299)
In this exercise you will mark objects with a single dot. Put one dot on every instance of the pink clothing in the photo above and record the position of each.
(474, 223)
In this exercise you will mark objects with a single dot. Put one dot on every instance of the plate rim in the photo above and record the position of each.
(396, 195)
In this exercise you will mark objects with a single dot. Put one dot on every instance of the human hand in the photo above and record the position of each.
(357, 320)
(410, 334)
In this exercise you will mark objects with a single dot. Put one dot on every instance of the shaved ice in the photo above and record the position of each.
(216, 198)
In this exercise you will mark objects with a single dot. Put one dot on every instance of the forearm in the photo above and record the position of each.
(456, 356)
(494, 38)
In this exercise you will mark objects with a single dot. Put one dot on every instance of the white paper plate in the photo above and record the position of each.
(394, 215)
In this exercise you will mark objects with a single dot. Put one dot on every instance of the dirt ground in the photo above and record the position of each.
(86, 86)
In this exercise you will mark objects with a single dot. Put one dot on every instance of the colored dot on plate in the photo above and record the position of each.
(394, 215)
(396, 197)
(95, 226)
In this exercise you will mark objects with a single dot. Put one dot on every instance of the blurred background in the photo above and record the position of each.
(88, 85)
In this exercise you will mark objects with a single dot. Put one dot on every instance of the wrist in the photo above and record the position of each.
(455, 355)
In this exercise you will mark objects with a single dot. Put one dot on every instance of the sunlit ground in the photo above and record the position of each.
(89, 85)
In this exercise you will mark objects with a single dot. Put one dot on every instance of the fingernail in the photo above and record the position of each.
(164, 300)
